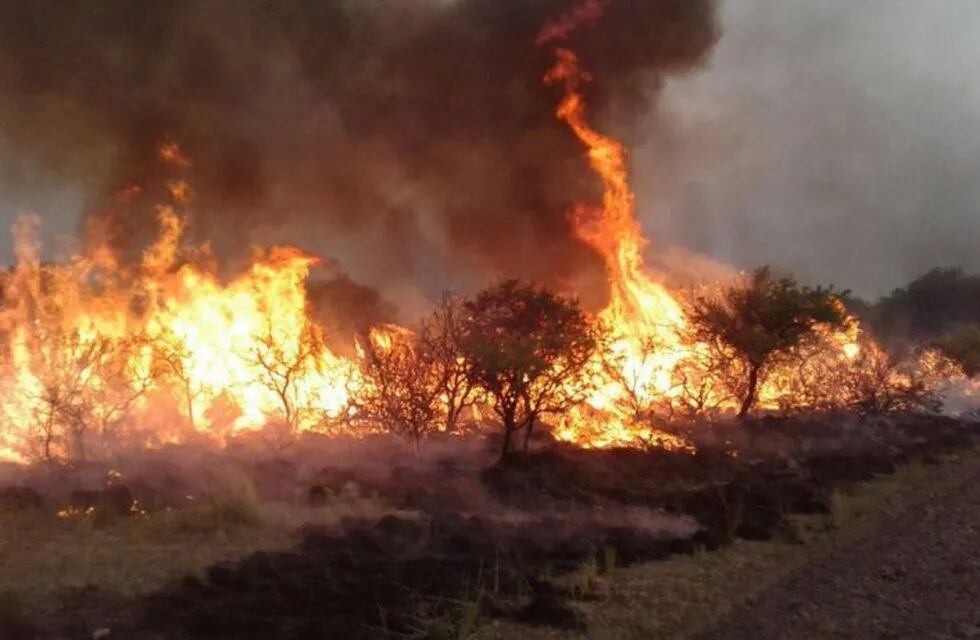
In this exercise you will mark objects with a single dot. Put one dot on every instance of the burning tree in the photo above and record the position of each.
(415, 384)
(529, 349)
(759, 320)
(82, 387)
(173, 359)
(282, 363)
(440, 339)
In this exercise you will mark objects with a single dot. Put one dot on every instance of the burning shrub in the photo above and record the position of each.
(704, 382)
(759, 320)
(690, 390)
(529, 350)
(282, 364)
(414, 383)
(83, 387)
(878, 384)
(400, 389)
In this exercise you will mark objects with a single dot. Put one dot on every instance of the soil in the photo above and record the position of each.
(916, 577)
(489, 541)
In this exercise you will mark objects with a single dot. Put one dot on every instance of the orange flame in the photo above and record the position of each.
(184, 351)
(641, 311)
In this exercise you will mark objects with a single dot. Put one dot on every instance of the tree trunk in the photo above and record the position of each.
(79, 437)
(527, 433)
(190, 406)
(451, 416)
(749, 399)
(508, 432)
(48, 437)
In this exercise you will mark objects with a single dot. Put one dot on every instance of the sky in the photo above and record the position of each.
(837, 140)
(834, 139)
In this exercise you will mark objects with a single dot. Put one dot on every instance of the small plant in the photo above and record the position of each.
(587, 582)
(910, 473)
(230, 501)
(844, 509)
(448, 618)
(609, 557)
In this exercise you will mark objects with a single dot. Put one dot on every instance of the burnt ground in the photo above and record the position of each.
(916, 577)
(486, 542)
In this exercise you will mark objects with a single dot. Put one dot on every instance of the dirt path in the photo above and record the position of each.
(917, 576)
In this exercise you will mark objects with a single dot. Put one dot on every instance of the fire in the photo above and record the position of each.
(180, 351)
(641, 311)
(646, 365)
(88, 343)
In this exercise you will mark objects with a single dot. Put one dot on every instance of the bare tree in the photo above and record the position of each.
(440, 341)
(172, 357)
(86, 386)
(400, 387)
(415, 383)
(637, 397)
(281, 364)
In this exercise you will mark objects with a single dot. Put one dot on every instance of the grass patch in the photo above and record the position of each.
(231, 501)
(686, 595)
(845, 509)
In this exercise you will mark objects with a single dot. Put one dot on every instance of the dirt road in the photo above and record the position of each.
(917, 576)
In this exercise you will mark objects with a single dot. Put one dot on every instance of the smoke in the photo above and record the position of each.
(831, 139)
(412, 141)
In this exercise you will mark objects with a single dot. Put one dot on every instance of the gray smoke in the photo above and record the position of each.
(834, 139)
(411, 141)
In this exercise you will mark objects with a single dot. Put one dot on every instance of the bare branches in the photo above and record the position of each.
(401, 389)
(84, 387)
(282, 361)
(440, 341)
(416, 384)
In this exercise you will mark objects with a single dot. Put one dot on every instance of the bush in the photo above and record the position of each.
(231, 500)
(963, 347)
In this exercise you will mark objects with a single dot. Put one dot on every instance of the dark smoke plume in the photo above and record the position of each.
(411, 139)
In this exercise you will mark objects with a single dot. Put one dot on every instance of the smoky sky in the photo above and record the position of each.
(834, 139)
(412, 141)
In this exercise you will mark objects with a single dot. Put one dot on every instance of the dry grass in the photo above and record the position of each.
(45, 556)
(684, 595)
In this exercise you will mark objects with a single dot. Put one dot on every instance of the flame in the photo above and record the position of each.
(178, 350)
(641, 311)
(649, 350)
(168, 328)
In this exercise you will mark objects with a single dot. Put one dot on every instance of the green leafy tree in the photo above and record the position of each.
(759, 319)
(964, 348)
(528, 349)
